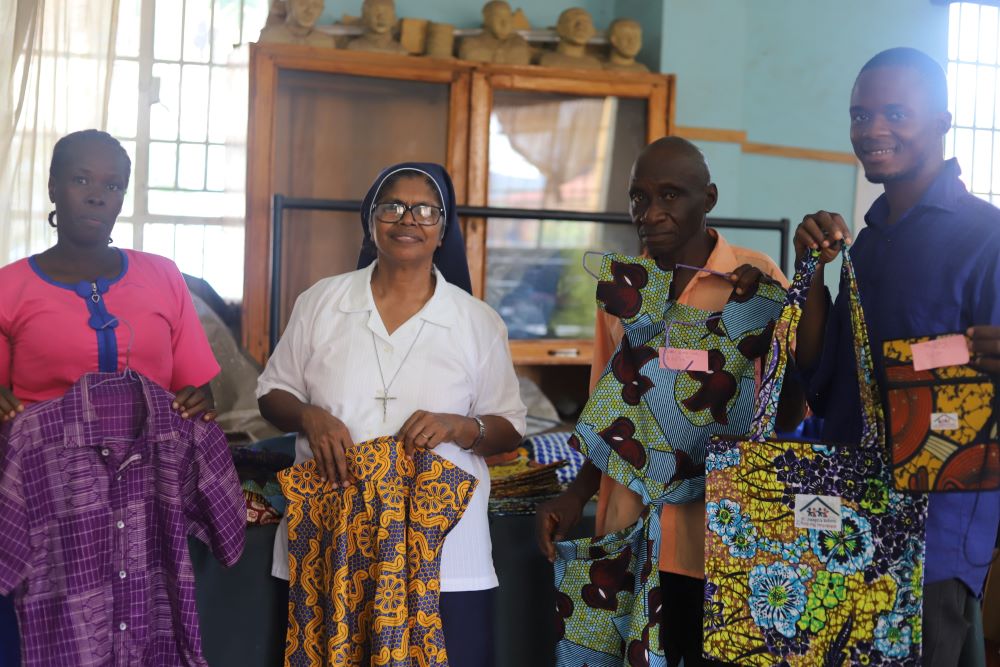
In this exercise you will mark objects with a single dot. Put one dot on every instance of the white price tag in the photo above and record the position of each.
(944, 421)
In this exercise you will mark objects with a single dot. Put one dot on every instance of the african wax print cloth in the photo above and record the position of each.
(942, 424)
(646, 426)
(554, 447)
(811, 557)
(364, 560)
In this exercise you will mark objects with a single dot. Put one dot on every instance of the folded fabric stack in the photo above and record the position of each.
(509, 463)
(552, 447)
(257, 465)
(520, 493)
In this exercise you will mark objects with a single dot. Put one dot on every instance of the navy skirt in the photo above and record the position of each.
(467, 618)
(10, 640)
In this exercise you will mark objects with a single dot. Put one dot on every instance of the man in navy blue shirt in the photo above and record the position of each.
(927, 263)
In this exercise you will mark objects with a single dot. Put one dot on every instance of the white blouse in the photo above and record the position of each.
(459, 363)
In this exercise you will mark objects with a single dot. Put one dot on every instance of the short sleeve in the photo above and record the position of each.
(5, 356)
(286, 368)
(7, 305)
(608, 333)
(766, 266)
(213, 500)
(774, 273)
(15, 549)
(194, 363)
(497, 390)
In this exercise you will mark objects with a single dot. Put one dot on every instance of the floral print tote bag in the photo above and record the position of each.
(812, 557)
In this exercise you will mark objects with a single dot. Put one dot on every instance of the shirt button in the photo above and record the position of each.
(105, 451)
(122, 575)
(120, 524)
(123, 626)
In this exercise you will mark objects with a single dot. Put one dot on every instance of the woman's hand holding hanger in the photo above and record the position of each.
(193, 401)
(10, 405)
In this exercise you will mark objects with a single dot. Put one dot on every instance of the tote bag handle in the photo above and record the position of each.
(783, 341)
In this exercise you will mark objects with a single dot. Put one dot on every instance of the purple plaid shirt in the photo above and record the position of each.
(99, 490)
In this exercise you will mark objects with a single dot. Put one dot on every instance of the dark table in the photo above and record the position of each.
(243, 609)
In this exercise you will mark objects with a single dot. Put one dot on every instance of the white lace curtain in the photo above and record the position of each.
(55, 77)
(562, 138)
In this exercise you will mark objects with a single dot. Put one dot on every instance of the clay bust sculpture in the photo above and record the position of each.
(625, 36)
(575, 28)
(498, 43)
(298, 26)
(378, 18)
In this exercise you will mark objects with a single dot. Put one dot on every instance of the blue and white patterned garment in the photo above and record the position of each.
(552, 447)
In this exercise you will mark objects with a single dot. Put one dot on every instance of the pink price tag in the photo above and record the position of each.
(940, 352)
(679, 359)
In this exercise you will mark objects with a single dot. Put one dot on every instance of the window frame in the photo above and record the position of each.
(146, 61)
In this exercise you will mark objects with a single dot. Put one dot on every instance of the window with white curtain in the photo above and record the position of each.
(974, 96)
(179, 104)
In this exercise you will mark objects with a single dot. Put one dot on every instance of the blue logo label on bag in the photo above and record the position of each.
(817, 512)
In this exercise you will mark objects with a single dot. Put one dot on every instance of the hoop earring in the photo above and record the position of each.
(52, 222)
(110, 240)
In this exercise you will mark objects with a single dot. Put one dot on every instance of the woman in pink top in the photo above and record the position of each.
(83, 306)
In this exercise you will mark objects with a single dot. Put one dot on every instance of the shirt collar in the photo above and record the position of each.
(943, 193)
(722, 259)
(357, 299)
(82, 423)
(439, 310)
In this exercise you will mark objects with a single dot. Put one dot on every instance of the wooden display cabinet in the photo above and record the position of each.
(577, 132)
(323, 122)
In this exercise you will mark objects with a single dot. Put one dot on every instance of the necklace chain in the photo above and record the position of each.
(385, 397)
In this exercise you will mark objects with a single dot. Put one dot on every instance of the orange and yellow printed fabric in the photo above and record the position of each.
(942, 424)
(364, 560)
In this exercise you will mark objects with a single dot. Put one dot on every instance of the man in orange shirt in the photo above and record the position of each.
(670, 195)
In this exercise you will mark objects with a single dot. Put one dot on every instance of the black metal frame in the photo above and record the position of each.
(281, 203)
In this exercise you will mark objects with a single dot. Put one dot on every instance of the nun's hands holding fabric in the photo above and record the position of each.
(427, 430)
(329, 440)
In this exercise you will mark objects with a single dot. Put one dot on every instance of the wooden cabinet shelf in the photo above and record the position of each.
(552, 352)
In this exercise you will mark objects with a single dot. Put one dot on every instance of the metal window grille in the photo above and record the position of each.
(974, 96)
(178, 104)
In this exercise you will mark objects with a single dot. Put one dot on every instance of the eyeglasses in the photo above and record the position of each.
(423, 214)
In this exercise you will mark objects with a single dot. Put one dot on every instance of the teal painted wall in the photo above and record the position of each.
(782, 71)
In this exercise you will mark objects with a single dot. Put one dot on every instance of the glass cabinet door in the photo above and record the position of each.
(553, 151)
(333, 134)
(554, 139)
